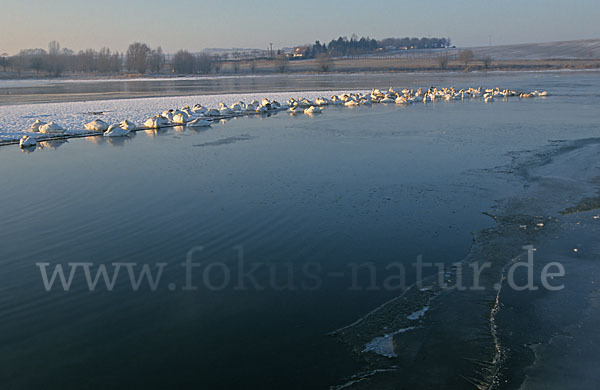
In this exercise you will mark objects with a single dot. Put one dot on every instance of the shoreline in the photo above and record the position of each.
(65, 90)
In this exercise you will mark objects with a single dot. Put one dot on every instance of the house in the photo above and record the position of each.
(300, 51)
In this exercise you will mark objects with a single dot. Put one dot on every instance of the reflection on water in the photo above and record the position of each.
(53, 144)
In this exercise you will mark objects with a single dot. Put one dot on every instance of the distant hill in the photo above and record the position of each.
(581, 49)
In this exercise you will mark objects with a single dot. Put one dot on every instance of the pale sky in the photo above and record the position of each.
(195, 25)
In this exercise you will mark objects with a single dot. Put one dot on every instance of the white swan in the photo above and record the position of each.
(96, 125)
(35, 127)
(180, 118)
(198, 109)
(156, 122)
(199, 122)
(321, 101)
(313, 110)
(238, 107)
(128, 125)
(116, 131)
(51, 128)
(27, 141)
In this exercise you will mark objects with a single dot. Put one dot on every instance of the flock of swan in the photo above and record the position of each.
(199, 116)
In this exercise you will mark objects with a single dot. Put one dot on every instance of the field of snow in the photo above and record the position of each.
(16, 120)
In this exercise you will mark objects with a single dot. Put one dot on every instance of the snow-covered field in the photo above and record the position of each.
(16, 120)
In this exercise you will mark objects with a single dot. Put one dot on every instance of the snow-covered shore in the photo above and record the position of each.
(15, 120)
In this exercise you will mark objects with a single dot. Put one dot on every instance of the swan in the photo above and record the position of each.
(96, 125)
(401, 100)
(305, 103)
(27, 141)
(116, 131)
(127, 125)
(313, 110)
(35, 127)
(250, 107)
(198, 109)
(51, 128)
(261, 109)
(199, 122)
(239, 106)
(386, 100)
(351, 103)
(156, 122)
(180, 118)
(321, 101)
(167, 114)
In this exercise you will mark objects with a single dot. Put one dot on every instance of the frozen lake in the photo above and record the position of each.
(307, 197)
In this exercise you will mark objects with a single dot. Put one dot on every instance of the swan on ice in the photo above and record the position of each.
(27, 141)
(116, 131)
(96, 125)
(127, 125)
(51, 128)
(156, 122)
(199, 122)
(35, 127)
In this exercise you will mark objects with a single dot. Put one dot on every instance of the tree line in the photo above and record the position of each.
(139, 58)
(365, 45)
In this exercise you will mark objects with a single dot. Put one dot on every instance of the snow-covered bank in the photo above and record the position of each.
(15, 121)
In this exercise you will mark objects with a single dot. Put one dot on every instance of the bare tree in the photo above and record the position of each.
(54, 48)
(281, 63)
(17, 63)
(442, 61)
(465, 56)
(204, 63)
(54, 61)
(157, 59)
(4, 61)
(183, 62)
(36, 63)
(487, 61)
(104, 60)
(324, 62)
(137, 57)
